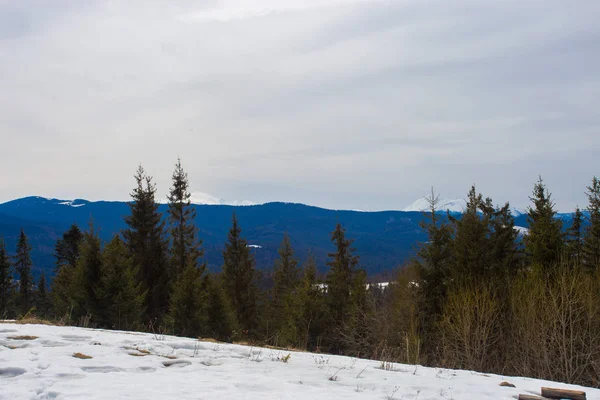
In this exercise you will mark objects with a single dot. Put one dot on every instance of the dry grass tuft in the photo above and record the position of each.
(24, 337)
(82, 356)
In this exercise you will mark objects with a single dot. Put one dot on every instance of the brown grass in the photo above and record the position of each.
(137, 354)
(24, 337)
(82, 356)
(170, 357)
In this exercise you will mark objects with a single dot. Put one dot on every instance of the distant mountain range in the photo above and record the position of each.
(384, 240)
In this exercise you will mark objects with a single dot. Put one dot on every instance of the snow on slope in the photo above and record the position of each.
(422, 204)
(131, 365)
(207, 199)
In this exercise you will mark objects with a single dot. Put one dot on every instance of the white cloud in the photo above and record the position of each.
(340, 103)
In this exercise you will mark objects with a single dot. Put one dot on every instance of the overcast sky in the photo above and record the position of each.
(359, 104)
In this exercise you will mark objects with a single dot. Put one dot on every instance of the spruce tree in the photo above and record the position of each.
(220, 318)
(185, 245)
(591, 246)
(88, 276)
(285, 306)
(544, 242)
(574, 237)
(188, 302)
(340, 284)
(502, 248)
(42, 299)
(433, 261)
(23, 268)
(66, 253)
(239, 279)
(311, 325)
(5, 282)
(470, 246)
(146, 243)
(120, 293)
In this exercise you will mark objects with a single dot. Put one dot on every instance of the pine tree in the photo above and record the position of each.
(67, 256)
(5, 282)
(220, 318)
(470, 245)
(185, 246)
(574, 237)
(340, 284)
(88, 275)
(120, 294)
(23, 268)
(433, 261)
(146, 243)
(285, 305)
(591, 246)
(42, 299)
(188, 302)
(239, 279)
(311, 325)
(544, 242)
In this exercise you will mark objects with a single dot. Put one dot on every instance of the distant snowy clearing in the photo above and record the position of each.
(49, 362)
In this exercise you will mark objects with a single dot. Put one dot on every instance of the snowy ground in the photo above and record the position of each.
(130, 365)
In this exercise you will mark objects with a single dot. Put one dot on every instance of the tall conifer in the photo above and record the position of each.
(146, 242)
(5, 282)
(239, 279)
(544, 242)
(23, 268)
(591, 246)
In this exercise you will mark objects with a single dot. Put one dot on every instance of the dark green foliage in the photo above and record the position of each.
(434, 260)
(591, 246)
(311, 324)
(285, 304)
(42, 298)
(119, 292)
(574, 239)
(220, 318)
(146, 243)
(544, 242)
(88, 277)
(239, 279)
(185, 245)
(188, 302)
(67, 256)
(342, 278)
(23, 268)
(5, 283)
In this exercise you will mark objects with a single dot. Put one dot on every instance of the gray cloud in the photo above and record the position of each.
(344, 104)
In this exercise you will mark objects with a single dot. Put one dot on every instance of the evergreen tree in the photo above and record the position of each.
(185, 246)
(502, 248)
(67, 256)
(311, 325)
(239, 279)
(544, 242)
(42, 299)
(591, 246)
(433, 262)
(120, 293)
(88, 275)
(220, 318)
(5, 282)
(285, 305)
(146, 243)
(23, 268)
(188, 302)
(574, 237)
(341, 280)
(470, 245)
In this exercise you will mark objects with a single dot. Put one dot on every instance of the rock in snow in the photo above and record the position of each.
(37, 362)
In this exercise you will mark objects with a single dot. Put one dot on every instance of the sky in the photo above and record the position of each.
(346, 104)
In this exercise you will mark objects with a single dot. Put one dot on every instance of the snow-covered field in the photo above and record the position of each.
(36, 362)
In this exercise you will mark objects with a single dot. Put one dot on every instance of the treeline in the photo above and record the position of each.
(478, 295)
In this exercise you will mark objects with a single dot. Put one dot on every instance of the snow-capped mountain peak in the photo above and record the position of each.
(422, 204)
(201, 198)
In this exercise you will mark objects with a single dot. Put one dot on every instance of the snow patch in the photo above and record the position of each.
(422, 205)
(200, 198)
